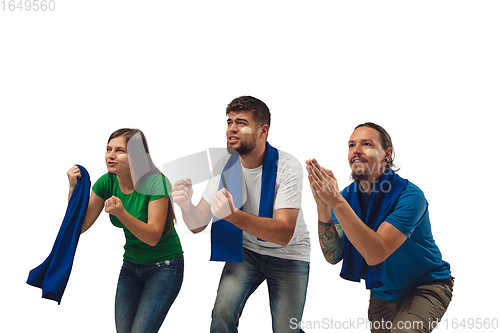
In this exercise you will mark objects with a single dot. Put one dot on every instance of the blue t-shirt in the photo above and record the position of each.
(418, 260)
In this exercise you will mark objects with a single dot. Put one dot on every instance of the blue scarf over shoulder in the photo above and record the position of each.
(227, 239)
(383, 200)
(53, 274)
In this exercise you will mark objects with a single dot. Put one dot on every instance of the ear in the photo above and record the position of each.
(264, 131)
(388, 154)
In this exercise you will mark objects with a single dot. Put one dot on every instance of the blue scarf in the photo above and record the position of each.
(53, 274)
(227, 239)
(383, 200)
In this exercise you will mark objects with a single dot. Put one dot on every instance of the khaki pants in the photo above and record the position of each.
(419, 311)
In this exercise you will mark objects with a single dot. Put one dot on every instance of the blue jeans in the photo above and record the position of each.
(145, 293)
(287, 283)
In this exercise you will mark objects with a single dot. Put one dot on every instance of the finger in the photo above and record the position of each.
(310, 178)
(221, 195)
(179, 195)
(180, 183)
(215, 200)
(309, 169)
(316, 187)
(230, 200)
(316, 173)
(330, 173)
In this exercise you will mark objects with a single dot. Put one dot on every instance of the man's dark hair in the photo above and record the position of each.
(385, 140)
(260, 110)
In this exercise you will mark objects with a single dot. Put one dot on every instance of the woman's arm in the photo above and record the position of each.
(96, 203)
(150, 232)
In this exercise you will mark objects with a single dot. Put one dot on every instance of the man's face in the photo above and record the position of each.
(366, 155)
(242, 132)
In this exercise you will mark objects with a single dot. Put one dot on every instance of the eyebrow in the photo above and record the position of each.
(364, 140)
(108, 146)
(240, 119)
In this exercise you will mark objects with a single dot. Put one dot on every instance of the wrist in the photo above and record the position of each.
(325, 215)
(119, 213)
(322, 209)
(330, 221)
(338, 203)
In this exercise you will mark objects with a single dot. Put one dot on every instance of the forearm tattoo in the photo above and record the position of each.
(330, 239)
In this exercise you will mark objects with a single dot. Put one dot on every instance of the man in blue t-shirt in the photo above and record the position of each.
(380, 226)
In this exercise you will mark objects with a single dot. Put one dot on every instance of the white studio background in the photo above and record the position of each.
(427, 71)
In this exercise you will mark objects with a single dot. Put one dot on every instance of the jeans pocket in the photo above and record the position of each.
(175, 265)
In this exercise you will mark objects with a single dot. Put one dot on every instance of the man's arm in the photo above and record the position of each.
(374, 246)
(195, 217)
(278, 230)
(329, 240)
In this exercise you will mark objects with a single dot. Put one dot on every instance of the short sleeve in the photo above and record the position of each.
(289, 183)
(410, 210)
(156, 187)
(102, 187)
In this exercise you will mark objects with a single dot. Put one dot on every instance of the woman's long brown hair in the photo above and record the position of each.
(128, 133)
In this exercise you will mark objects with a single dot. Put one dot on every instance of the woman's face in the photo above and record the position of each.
(117, 156)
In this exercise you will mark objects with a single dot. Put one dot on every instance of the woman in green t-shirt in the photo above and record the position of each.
(136, 196)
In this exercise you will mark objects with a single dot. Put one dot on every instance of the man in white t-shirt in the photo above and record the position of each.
(275, 248)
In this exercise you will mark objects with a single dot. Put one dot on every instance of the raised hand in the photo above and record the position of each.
(323, 184)
(113, 206)
(73, 175)
(222, 204)
(182, 192)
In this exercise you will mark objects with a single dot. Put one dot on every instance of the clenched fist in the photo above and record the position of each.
(222, 204)
(73, 175)
(182, 192)
(113, 206)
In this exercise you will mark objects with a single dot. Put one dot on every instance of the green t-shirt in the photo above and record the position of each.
(136, 204)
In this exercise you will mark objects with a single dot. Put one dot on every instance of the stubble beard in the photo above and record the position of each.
(242, 149)
(359, 176)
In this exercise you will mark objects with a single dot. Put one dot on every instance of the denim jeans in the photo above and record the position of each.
(287, 284)
(145, 293)
(418, 312)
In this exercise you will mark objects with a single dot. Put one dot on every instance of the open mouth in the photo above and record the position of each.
(357, 161)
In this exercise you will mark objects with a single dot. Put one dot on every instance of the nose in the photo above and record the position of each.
(111, 154)
(357, 149)
(232, 128)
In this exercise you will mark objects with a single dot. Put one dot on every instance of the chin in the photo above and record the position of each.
(358, 176)
(239, 149)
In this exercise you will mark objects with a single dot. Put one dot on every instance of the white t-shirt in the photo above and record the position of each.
(288, 194)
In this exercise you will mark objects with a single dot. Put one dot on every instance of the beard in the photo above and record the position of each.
(359, 176)
(242, 149)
